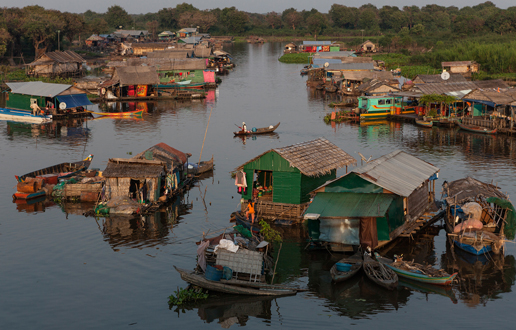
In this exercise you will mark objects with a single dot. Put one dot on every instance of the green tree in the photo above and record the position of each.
(116, 16)
(5, 38)
(14, 20)
(316, 23)
(41, 26)
(385, 42)
(234, 20)
(293, 19)
(368, 19)
(98, 26)
(413, 15)
(344, 17)
(273, 20)
(167, 18)
(418, 29)
(74, 25)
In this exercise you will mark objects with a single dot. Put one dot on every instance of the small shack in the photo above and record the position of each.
(464, 68)
(290, 48)
(94, 41)
(372, 204)
(54, 98)
(187, 32)
(281, 179)
(138, 179)
(378, 87)
(166, 36)
(56, 64)
(367, 47)
(131, 81)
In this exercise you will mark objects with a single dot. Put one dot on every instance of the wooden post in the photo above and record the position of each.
(211, 108)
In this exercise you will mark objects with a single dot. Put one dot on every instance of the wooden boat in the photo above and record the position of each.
(119, 114)
(319, 87)
(263, 130)
(379, 273)
(240, 219)
(424, 123)
(235, 286)
(205, 166)
(27, 196)
(331, 89)
(355, 260)
(62, 170)
(184, 82)
(476, 129)
(23, 116)
(417, 272)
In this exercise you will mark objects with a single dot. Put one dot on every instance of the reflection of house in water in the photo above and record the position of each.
(481, 278)
(72, 130)
(149, 230)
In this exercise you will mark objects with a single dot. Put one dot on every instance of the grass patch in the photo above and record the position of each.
(19, 75)
(300, 58)
(393, 60)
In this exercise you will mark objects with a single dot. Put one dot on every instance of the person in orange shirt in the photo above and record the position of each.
(250, 211)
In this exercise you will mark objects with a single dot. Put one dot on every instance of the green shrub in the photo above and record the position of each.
(184, 296)
(300, 58)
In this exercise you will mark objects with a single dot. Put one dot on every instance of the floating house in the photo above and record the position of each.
(380, 107)
(138, 179)
(56, 99)
(130, 82)
(290, 48)
(94, 41)
(464, 68)
(373, 204)
(187, 32)
(353, 79)
(56, 64)
(166, 36)
(131, 35)
(282, 178)
(377, 87)
(438, 78)
(318, 46)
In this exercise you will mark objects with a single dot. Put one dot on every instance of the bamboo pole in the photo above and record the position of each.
(206, 132)
(277, 258)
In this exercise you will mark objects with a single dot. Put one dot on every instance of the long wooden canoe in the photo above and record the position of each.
(417, 272)
(119, 114)
(62, 170)
(205, 166)
(263, 130)
(379, 273)
(424, 123)
(235, 287)
(476, 129)
(355, 261)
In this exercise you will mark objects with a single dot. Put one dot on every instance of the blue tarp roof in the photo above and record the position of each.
(488, 103)
(74, 100)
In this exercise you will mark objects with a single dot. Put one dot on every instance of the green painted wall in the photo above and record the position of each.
(271, 161)
(22, 101)
(382, 228)
(353, 183)
(308, 184)
(395, 214)
(286, 187)
(478, 109)
(249, 179)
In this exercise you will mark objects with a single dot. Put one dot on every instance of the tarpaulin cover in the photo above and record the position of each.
(510, 226)
(209, 76)
(74, 100)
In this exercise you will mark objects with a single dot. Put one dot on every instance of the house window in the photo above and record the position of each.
(388, 101)
(381, 102)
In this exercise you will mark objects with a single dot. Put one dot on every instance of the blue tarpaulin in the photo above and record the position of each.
(74, 100)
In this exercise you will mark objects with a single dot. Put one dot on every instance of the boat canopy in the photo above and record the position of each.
(74, 100)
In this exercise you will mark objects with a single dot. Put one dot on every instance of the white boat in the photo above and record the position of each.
(185, 82)
(23, 116)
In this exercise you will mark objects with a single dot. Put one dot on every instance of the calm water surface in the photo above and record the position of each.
(61, 270)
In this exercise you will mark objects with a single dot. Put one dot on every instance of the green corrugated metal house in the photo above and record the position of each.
(289, 174)
(372, 204)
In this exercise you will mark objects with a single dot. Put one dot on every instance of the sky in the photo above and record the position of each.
(254, 6)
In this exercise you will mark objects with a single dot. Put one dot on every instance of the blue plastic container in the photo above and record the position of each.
(342, 267)
(212, 273)
(227, 273)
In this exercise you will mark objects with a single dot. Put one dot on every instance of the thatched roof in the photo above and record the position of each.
(133, 168)
(504, 96)
(376, 83)
(164, 153)
(312, 158)
(67, 56)
(163, 64)
(136, 75)
(465, 190)
(495, 83)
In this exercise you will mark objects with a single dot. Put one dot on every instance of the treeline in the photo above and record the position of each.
(394, 27)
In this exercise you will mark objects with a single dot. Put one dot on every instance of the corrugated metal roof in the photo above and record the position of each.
(361, 75)
(504, 96)
(436, 78)
(191, 40)
(321, 61)
(37, 88)
(442, 88)
(398, 172)
(495, 83)
(350, 205)
(341, 53)
(136, 75)
(317, 43)
(350, 66)
(458, 94)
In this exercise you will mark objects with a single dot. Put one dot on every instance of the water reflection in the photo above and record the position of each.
(143, 231)
(72, 131)
(228, 310)
(36, 205)
(245, 139)
(481, 278)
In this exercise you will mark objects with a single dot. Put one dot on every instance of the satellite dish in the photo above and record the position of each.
(62, 105)
(326, 64)
(445, 75)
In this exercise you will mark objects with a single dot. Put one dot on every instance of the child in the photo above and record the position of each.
(250, 211)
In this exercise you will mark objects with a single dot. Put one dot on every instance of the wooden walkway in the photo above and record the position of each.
(424, 221)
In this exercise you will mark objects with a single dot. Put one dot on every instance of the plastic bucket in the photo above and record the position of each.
(212, 273)
(342, 267)
(227, 273)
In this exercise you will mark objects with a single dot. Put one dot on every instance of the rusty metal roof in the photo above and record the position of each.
(398, 172)
(436, 78)
(442, 88)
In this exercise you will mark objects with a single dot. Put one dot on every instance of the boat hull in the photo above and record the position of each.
(485, 249)
(424, 123)
(23, 116)
(383, 114)
(27, 196)
(445, 280)
(119, 114)
(476, 129)
(356, 262)
(263, 130)
(62, 170)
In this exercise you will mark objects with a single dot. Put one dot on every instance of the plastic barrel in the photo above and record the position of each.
(342, 267)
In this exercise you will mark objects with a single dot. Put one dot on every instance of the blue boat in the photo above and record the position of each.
(23, 116)
(484, 249)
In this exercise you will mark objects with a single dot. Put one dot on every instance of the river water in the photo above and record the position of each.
(61, 270)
